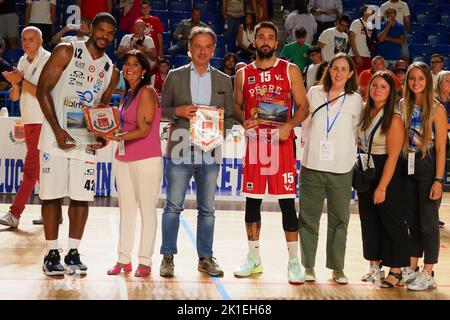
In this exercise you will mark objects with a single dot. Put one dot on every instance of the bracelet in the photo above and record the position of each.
(439, 179)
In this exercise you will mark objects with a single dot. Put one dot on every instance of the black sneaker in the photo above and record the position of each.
(52, 265)
(73, 263)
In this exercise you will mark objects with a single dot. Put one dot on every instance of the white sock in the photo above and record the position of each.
(292, 249)
(253, 247)
(73, 243)
(52, 244)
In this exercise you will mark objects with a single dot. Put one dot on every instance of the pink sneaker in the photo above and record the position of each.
(143, 271)
(116, 269)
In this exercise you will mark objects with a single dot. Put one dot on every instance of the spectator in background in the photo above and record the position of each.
(315, 55)
(181, 34)
(360, 31)
(326, 13)
(81, 35)
(130, 11)
(160, 75)
(391, 36)
(300, 17)
(9, 23)
(24, 80)
(402, 9)
(153, 27)
(297, 52)
(334, 40)
(42, 15)
(436, 65)
(258, 8)
(366, 75)
(90, 8)
(139, 41)
(245, 37)
(233, 14)
(399, 70)
(4, 66)
(229, 61)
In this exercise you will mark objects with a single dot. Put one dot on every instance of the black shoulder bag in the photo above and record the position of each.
(362, 179)
(371, 42)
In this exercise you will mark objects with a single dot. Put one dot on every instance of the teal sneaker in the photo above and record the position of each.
(295, 272)
(250, 266)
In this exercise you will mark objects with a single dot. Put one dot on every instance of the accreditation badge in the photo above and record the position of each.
(102, 120)
(207, 127)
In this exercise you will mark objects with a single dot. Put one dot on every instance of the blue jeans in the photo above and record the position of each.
(178, 177)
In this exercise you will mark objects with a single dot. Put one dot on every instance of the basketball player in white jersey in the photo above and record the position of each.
(77, 75)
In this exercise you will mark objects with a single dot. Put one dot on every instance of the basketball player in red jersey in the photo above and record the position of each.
(264, 91)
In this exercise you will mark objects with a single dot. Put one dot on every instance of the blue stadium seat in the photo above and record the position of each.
(13, 56)
(159, 5)
(119, 35)
(220, 41)
(219, 52)
(179, 6)
(434, 28)
(163, 15)
(437, 39)
(181, 60)
(419, 8)
(442, 49)
(177, 16)
(427, 18)
(206, 5)
(415, 38)
(447, 63)
(166, 40)
(416, 50)
(217, 63)
(445, 19)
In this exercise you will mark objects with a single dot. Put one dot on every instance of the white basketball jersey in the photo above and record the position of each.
(81, 84)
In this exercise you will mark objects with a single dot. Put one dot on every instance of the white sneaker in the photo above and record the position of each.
(409, 275)
(423, 281)
(339, 277)
(249, 266)
(310, 275)
(9, 220)
(295, 272)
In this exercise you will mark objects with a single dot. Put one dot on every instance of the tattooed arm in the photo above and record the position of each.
(145, 113)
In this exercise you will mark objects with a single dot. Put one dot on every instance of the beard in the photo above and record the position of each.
(265, 55)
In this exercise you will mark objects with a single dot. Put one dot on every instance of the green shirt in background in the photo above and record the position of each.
(296, 54)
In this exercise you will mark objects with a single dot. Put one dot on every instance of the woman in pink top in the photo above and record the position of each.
(138, 163)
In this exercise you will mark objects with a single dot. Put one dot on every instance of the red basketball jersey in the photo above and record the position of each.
(267, 94)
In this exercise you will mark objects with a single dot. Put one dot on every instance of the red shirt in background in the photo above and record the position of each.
(90, 8)
(364, 78)
(154, 26)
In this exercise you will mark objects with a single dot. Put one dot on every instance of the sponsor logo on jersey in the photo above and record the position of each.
(17, 134)
(106, 66)
(91, 69)
(80, 64)
(251, 80)
(288, 188)
(90, 79)
(73, 103)
(74, 82)
(34, 71)
(90, 151)
(45, 170)
(45, 157)
(77, 74)
(99, 82)
(262, 90)
(85, 96)
(249, 186)
(89, 172)
(97, 88)
(101, 74)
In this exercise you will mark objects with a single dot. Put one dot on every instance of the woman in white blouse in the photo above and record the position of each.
(327, 163)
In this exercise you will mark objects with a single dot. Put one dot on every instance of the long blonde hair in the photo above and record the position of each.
(426, 112)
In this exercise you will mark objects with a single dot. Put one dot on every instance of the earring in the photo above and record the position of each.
(142, 76)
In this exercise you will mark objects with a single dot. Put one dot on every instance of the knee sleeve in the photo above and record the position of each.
(289, 216)
(252, 210)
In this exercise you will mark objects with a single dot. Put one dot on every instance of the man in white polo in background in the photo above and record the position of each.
(23, 80)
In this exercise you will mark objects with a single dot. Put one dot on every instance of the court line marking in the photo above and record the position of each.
(216, 280)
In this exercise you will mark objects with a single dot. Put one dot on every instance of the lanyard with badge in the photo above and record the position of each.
(366, 158)
(326, 150)
(123, 114)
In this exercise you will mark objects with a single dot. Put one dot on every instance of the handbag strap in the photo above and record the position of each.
(323, 105)
(372, 134)
(364, 27)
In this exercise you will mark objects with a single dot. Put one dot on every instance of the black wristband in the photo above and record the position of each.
(441, 180)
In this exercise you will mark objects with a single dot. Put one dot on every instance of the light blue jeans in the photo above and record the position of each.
(178, 176)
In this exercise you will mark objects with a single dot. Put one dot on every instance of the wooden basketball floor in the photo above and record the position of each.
(22, 250)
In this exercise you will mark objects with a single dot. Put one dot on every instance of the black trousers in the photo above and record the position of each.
(423, 213)
(383, 228)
